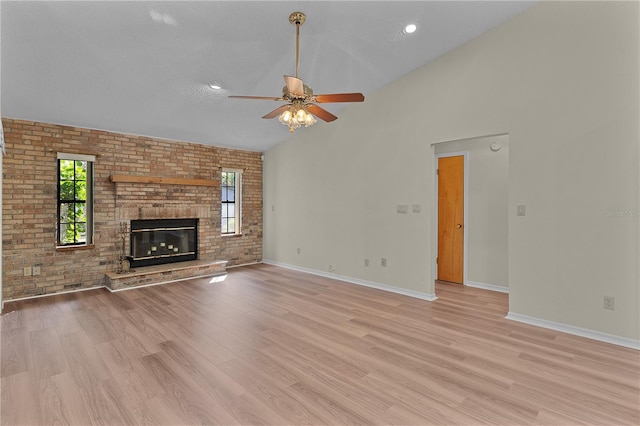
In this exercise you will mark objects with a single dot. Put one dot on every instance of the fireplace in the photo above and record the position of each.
(159, 241)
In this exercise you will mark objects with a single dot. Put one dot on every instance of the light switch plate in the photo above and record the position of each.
(402, 208)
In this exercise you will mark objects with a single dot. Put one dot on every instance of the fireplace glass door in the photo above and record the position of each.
(159, 241)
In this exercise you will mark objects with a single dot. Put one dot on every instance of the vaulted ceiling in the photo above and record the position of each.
(144, 68)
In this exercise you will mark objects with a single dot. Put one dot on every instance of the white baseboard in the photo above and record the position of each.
(576, 331)
(357, 281)
(484, 286)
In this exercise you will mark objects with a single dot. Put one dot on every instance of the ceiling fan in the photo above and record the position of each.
(302, 103)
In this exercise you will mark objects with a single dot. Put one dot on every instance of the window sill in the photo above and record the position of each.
(231, 235)
(79, 247)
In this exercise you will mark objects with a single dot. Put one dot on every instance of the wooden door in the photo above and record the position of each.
(450, 218)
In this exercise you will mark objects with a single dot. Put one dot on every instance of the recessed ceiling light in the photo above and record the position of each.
(215, 86)
(410, 28)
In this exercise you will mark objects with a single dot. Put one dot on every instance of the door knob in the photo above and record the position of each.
(458, 226)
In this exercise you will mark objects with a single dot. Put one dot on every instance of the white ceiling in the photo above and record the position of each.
(143, 67)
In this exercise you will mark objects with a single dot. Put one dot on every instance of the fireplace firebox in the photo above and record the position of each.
(159, 241)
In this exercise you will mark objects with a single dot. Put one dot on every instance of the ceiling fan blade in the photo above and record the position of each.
(264, 98)
(276, 112)
(321, 113)
(294, 85)
(340, 97)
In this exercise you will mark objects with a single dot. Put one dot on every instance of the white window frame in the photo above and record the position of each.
(237, 202)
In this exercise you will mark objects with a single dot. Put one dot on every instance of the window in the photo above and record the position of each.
(75, 213)
(231, 191)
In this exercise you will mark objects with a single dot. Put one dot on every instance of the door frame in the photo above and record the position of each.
(434, 264)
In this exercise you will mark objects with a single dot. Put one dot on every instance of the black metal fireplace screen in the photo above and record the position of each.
(158, 241)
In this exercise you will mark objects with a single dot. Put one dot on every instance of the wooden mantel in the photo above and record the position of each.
(161, 180)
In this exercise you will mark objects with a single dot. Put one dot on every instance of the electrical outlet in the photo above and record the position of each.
(298, 250)
(27, 271)
(608, 302)
(521, 210)
(366, 262)
(383, 262)
(36, 270)
(331, 268)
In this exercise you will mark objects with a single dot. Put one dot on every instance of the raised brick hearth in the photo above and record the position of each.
(159, 274)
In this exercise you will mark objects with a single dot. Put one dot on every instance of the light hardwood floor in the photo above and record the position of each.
(272, 346)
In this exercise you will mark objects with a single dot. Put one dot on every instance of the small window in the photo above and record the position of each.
(75, 199)
(231, 191)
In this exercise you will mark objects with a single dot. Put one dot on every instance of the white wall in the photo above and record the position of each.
(562, 80)
(486, 224)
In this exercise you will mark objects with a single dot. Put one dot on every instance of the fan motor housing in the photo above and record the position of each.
(308, 92)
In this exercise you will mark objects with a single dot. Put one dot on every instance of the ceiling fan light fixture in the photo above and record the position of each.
(309, 120)
(303, 107)
(296, 116)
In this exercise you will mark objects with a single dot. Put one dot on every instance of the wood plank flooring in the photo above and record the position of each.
(270, 346)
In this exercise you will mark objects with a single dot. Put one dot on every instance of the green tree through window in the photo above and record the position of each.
(231, 202)
(73, 203)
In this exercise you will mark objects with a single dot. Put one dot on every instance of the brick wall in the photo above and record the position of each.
(30, 189)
